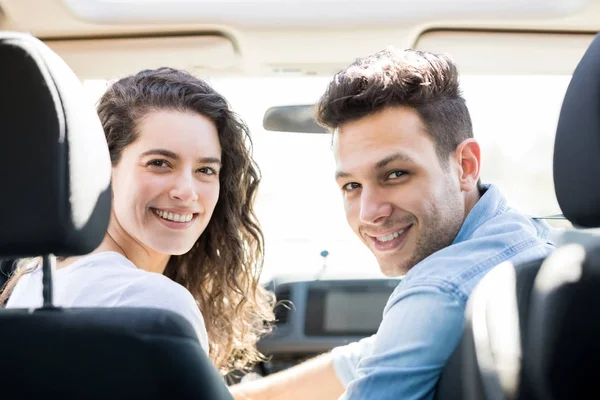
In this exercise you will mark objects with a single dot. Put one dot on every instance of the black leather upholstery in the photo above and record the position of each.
(470, 374)
(577, 143)
(56, 200)
(557, 298)
(562, 353)
(57, 168)
(563, 350)
(104, 354)
(7, 266)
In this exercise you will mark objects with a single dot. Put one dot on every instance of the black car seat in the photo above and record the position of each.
(56, 201)
(7, 266)
(562, 351)
(515, 333)
(487, 362)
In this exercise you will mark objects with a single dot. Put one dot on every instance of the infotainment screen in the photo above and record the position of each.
(345, 311)
(353, 312)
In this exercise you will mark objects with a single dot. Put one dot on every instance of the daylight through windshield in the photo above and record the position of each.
(299, 205)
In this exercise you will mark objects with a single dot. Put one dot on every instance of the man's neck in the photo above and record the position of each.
(471, 198)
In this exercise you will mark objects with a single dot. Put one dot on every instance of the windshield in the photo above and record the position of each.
(299, 205)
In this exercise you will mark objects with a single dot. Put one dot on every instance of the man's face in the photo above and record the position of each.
(399, 199)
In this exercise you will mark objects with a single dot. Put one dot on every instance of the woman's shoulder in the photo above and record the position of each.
(115, 266)
(155, 281)
(157, 291)
(106, 259)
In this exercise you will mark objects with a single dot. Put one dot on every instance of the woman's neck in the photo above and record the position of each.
(119, 241)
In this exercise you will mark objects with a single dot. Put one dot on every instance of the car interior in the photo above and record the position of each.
(529, 329)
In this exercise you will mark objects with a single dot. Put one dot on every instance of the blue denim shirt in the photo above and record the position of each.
(424, 317)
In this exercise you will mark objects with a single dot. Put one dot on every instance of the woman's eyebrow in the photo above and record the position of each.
(160, 152)
(174, 156)
(209, 160)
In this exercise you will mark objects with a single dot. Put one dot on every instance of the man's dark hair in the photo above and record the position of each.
(425, 82)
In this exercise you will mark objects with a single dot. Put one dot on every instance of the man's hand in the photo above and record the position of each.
(239, 396)
(314, 379)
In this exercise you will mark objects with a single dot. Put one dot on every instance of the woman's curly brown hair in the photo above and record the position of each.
(223, 267)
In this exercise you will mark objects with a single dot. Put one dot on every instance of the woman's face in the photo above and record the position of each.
(166, 184)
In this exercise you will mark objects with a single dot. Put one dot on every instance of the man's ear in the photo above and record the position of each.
(468, 157)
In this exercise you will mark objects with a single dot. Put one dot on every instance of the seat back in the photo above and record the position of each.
(486, 363)
(557, 351)
(57, 171)
(7, 267)
(118, 353)
(562, 353)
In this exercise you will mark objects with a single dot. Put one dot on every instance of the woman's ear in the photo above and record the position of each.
(468, 156)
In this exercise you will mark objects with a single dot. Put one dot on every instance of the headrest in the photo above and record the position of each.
(577, 143)
(55, 175)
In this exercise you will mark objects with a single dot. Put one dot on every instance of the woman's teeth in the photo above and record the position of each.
(171, 216)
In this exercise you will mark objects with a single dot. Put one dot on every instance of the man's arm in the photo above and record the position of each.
(420, 329)
(314, 379)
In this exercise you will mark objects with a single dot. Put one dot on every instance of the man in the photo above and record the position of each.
(408, 169)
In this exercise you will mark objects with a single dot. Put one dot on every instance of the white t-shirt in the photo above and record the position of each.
(108, 279)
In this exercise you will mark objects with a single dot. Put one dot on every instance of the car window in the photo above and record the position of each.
(299, 205)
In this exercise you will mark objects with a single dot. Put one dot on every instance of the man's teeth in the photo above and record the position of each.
(174, 216)
(391, 236)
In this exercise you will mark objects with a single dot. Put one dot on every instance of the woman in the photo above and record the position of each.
(183, 234)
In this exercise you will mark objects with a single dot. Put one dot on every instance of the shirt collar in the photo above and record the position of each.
(491, 203)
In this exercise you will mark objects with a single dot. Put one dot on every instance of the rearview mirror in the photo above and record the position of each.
(299, 118)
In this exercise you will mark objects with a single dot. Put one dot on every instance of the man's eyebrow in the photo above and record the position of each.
(341, 174)
(391, 158)
(174, 156)
(380, 164)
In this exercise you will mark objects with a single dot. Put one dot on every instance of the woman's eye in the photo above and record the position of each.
(348, 187)
(396, 174)
(207, 171)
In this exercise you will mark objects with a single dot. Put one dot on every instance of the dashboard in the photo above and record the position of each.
(315, 316)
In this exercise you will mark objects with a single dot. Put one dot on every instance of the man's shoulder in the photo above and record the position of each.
(514, 224)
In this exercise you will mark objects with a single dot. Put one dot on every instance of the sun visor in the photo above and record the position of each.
(203, 55)
(508, 53)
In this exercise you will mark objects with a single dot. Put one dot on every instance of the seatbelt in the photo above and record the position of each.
(555, 216)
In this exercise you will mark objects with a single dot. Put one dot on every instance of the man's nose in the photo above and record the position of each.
(374, 207)
(184, 188)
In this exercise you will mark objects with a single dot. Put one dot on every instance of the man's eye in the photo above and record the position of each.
(396, 174)
(157, 163)
(348, 187)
